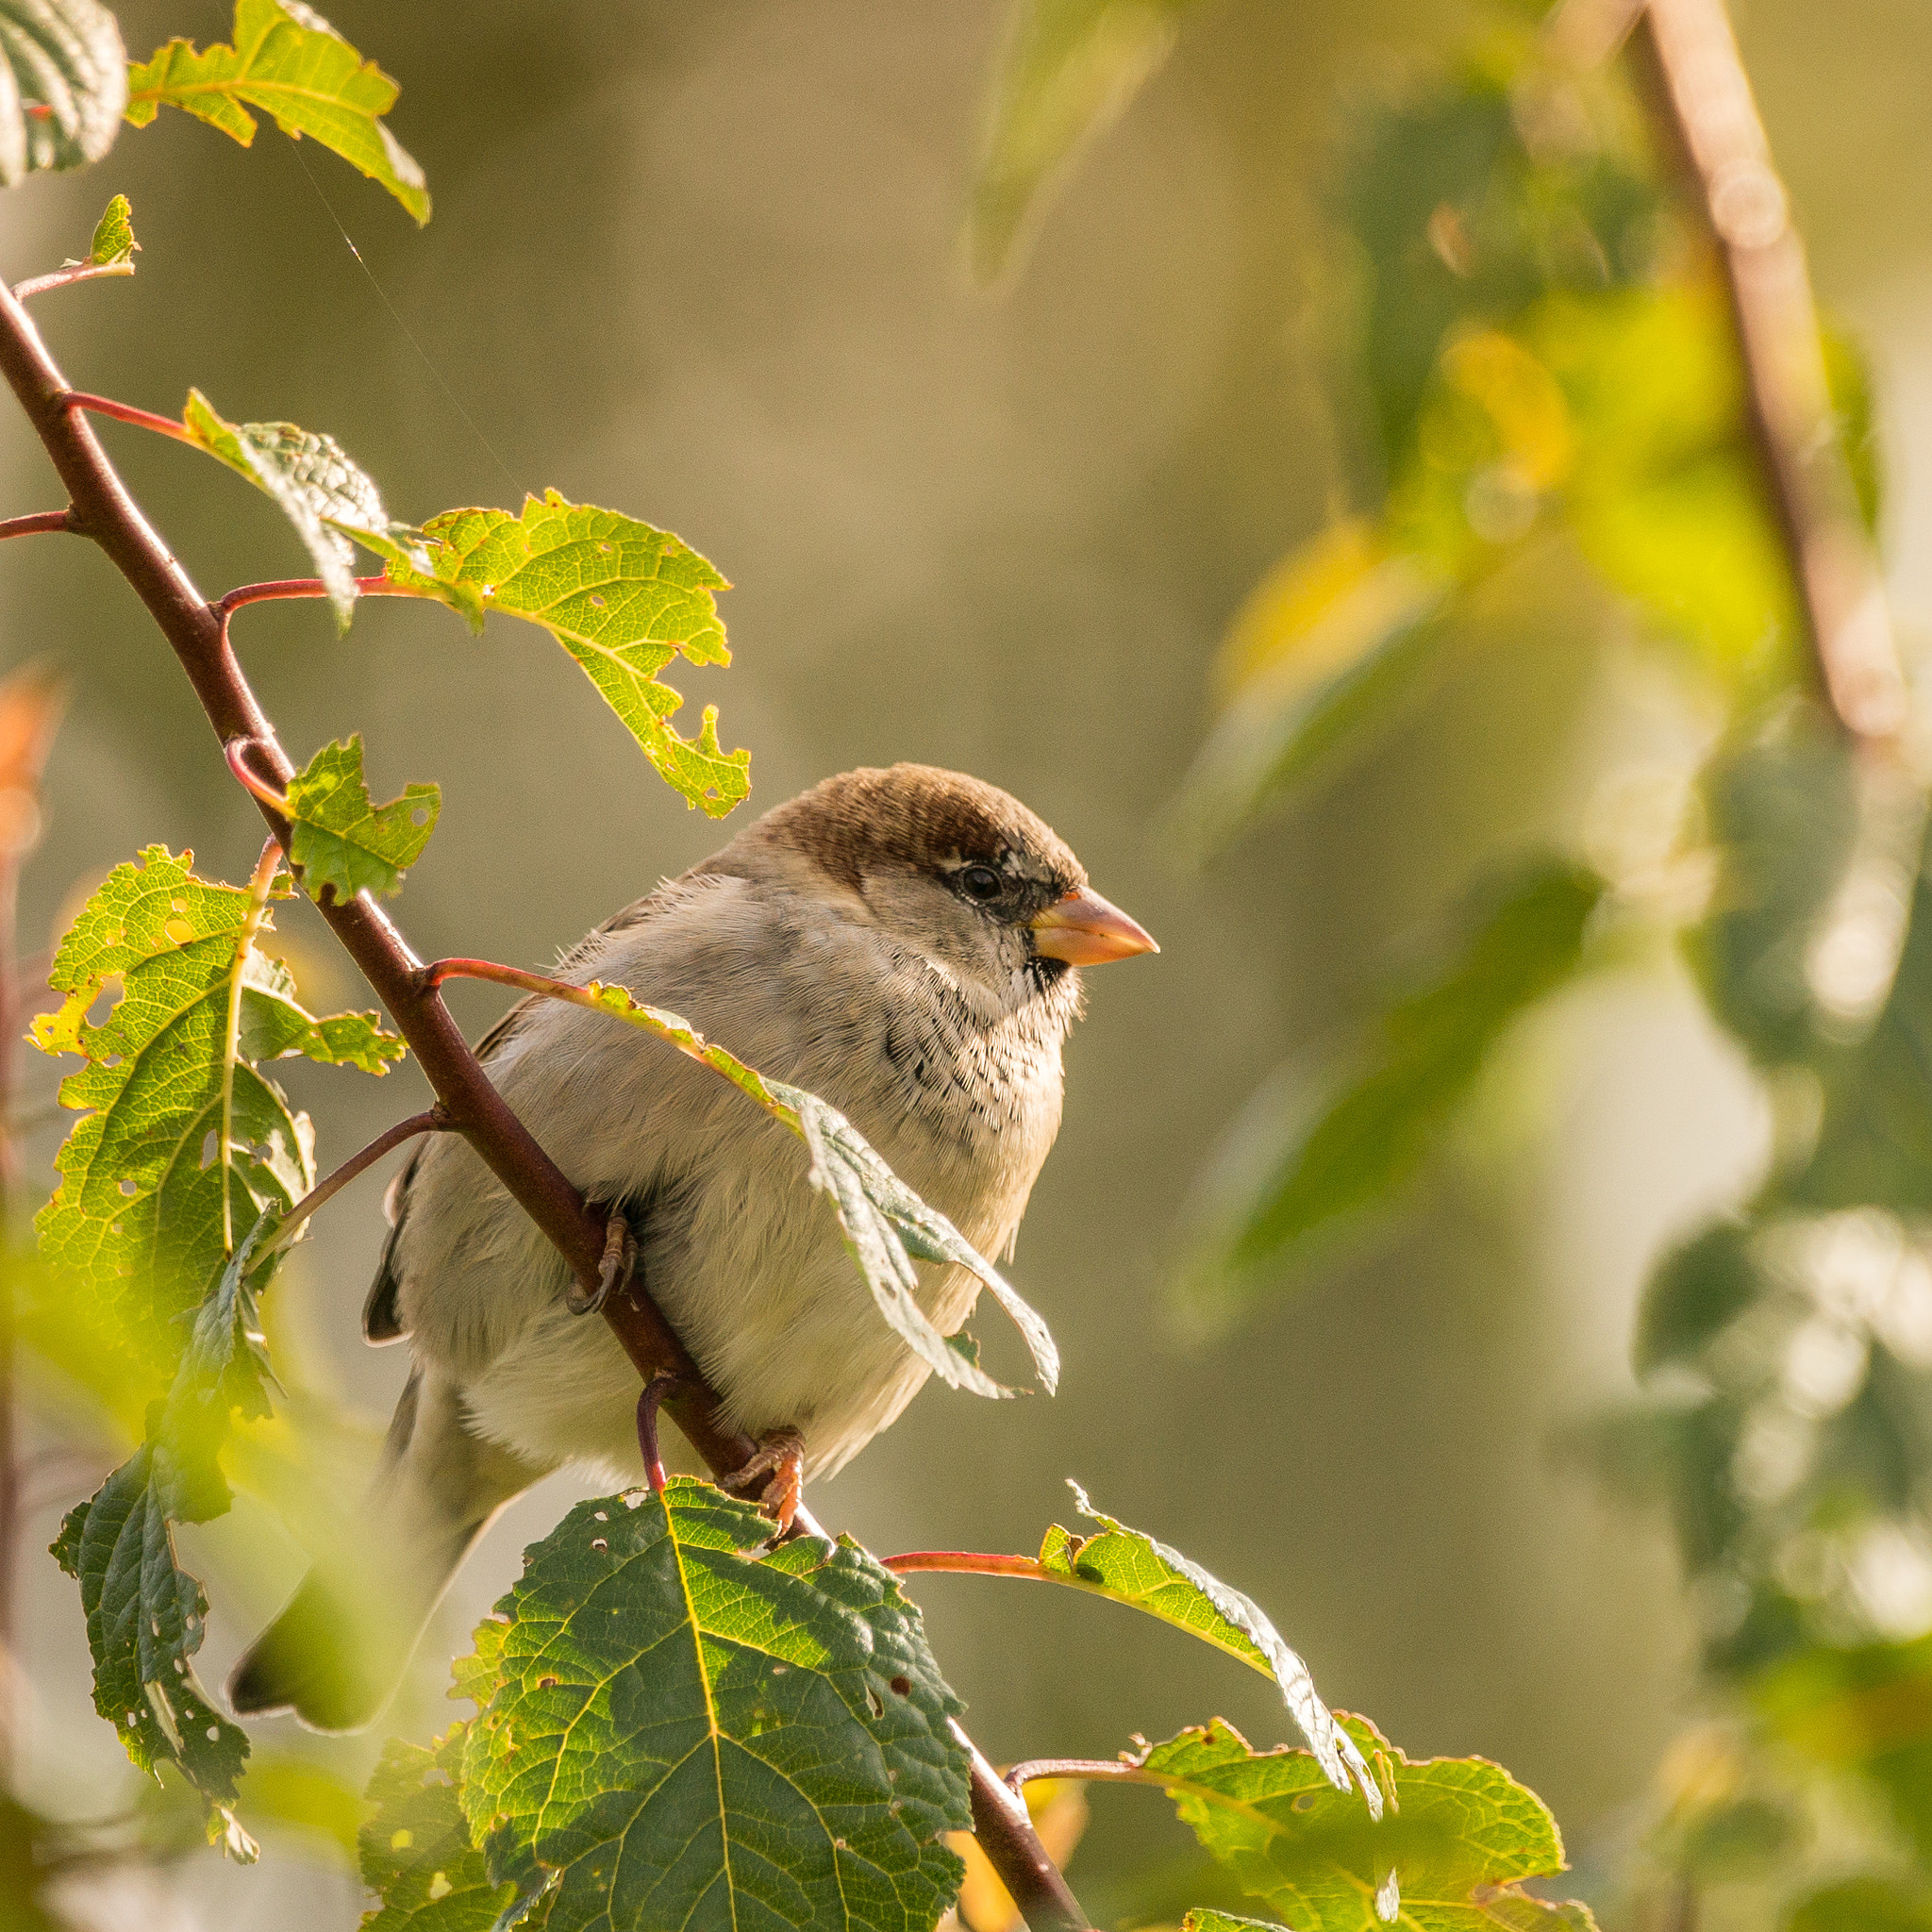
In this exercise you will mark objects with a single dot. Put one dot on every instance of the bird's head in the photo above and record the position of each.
(951, 866)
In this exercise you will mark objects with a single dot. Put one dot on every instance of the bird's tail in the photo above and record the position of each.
(338, 1651)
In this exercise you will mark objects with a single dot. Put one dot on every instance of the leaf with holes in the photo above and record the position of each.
(671, 1720)
(1459, 1837)
(342, 840)
(621, 598)
(1133, 1569)
(185, 1140)
(63, 83)
(416, 1853)
(320, 491)
(287, 63)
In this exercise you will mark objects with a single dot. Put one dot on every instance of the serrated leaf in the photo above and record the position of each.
(884, 1225)
(416, 1853)
(1459, 1837)
(672, 1726)
(622, 598)
(287, 63)
(1387, 1116)
(63, 83)
(318, 489)
(1132, 1568)
(113, 244)
(144, 1219)
(1070, 71)
(1226, 1921)
(343, 840)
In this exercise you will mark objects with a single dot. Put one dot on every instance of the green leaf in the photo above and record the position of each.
(1130, 1567)
(416, 1854)
(622, 598)
(672, 1724)
(290, 63)
(342, 840)
(114, 245)
(1695, 1293)
(886, 1225)
(1864, 1904)
(185, 1140)
(1460, 1836)
(1783, 814)
(1069, 70)
(1387, 1117)
(1875, 1147)
(318, 489)
(63, 83)
(1328, 648)
(1200, 1920)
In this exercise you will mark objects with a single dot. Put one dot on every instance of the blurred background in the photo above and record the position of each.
(707, 266)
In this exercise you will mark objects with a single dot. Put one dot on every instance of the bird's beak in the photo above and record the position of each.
(1084, 930)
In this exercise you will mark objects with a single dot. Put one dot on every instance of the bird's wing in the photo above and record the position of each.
(382, 1319)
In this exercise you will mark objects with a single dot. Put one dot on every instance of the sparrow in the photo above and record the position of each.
(905, 943)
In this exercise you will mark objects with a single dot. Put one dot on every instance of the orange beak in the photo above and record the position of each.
(1084, 930)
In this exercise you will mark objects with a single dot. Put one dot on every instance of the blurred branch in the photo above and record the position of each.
(198, 630)
(1704, 101)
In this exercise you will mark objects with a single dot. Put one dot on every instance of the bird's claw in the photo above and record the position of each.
(780, 1459)
(613, 1270)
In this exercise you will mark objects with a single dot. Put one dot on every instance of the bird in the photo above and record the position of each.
(904, 942)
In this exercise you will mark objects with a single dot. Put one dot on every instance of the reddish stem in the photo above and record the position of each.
(121, 413)
(377, 586)
(236, 751)
(62, 277)
(431, 1121)
(41, 522)
(965, 1563)
(1090, 1769)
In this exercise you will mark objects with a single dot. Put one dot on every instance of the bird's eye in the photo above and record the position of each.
(980, 882)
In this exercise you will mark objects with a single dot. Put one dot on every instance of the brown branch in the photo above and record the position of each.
(41, 522)
(198, 634)
(1704, 101)
(65, 277)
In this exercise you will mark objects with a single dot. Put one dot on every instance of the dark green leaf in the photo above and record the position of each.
(416, 1853)
(1071, 68)
(1696, 1291)
(1783, 814)
(318, 489)
(671, 1723)
(342, 840)
(1132, 1568)
(1459, 1837)
(289, 62)
(1387, 1117)
(622, 598)
(1864, 1904)
(63, 83)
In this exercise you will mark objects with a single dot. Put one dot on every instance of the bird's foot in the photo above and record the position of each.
(780, 1459)
(613, 1270)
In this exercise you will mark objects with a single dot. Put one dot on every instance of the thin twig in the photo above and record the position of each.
(431, 1121)
(1094, 1769)
(65, 277)
(122, 412)
(198, 636)
(1704, 99)
(965, 1563)
(43, 521)
(377, 586)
